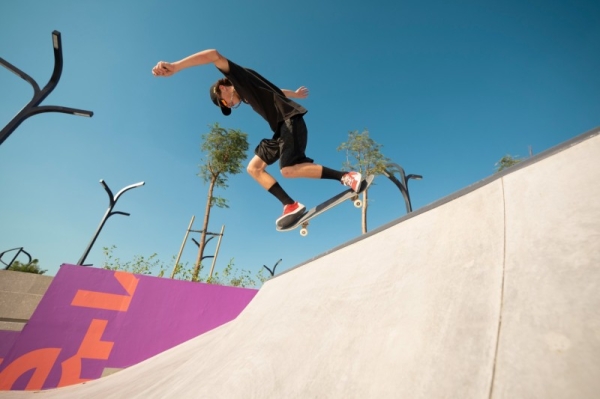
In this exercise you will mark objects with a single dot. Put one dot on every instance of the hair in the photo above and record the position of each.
(224, 82)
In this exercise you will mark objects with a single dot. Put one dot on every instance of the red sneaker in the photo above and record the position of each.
(290, 214)
(352, 180)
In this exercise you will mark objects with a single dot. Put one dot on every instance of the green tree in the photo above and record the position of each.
(139, 264)
(506, 162)
(224, 151)
(230, 276)
(32, 267)
(235, 277)
(364, 155)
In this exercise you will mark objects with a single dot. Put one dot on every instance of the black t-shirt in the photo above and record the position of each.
(263, 96)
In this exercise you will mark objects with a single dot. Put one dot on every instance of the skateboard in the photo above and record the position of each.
(330, 203)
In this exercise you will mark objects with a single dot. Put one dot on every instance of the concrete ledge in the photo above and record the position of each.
(17, 307)
(10, 325)
(20, 293)
(29, 283)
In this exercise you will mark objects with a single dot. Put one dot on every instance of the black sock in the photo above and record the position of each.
(281, 195)
(331, 174)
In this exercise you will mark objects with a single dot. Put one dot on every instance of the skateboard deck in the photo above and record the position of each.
(330, 203)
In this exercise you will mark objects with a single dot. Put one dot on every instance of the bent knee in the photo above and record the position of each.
(288, 172)
(254, 170)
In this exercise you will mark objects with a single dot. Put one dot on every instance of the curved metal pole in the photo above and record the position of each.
(403, 184)
(39, 95)
(57, 108)
(20, 74)
(272, 271)
(20, 250)
(109, 212)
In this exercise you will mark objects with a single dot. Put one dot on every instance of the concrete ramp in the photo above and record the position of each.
(492, 292)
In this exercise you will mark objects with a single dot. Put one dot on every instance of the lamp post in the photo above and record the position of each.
(33, 108)
(402, 184)
(19, 252)
(109, 213)
(272, 271)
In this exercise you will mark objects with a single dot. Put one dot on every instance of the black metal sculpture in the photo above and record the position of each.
(33, 108)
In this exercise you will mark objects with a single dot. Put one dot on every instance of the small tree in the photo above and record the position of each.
(506, 162)
(224, 150)
(235, 277)
(32, 267)
(139, 264)
(364, 155)
(148, 265)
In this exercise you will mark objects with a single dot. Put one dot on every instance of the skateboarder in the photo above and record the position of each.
(284, 116)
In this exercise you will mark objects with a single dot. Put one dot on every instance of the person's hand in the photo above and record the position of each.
(301, 92)
(163, 69)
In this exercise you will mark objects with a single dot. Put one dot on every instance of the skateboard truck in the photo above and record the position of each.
(357, 202)
(304, 229)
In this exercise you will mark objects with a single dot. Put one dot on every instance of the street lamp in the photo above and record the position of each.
(402, 184)
(109, 213)
(32, 107)
(272, 271)
(19, 252)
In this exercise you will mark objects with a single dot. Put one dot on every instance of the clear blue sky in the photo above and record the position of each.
(447, 87)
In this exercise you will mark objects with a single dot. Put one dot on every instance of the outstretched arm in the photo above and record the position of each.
(301, 92)
(202, 58)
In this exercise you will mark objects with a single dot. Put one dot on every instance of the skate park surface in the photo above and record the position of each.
(491, 292)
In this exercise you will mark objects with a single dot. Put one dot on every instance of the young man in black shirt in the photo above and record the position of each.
(284, 116)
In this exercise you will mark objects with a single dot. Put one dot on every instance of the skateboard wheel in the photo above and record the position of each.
(358, 203)
(303, 232)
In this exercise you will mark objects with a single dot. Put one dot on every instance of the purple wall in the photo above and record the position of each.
(91, 319)
(7, 340)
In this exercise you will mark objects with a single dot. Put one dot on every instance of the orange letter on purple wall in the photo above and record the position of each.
(92, 347)
(101, 300)
(41, 360)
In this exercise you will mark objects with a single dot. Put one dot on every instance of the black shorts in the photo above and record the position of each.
(287, 145)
